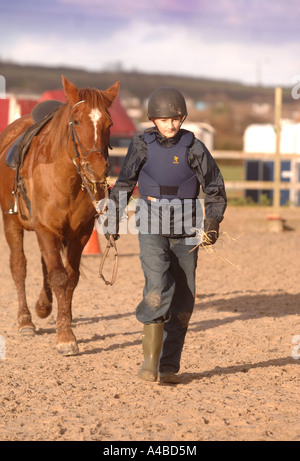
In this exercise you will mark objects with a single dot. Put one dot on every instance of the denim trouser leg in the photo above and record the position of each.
(159, 283)
(169, 269)
(183, 269)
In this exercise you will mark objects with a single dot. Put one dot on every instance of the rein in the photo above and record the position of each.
(110, 244)
(79, 162)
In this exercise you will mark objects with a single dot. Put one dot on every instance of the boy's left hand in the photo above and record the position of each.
(211, 231)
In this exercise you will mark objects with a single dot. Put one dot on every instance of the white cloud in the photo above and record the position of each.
(165, 50)
(231, 39)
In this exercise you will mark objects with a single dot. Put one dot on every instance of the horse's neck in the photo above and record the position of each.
(60, 151)
(60, 154)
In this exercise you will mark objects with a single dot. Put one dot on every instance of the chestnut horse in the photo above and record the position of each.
(61, 211)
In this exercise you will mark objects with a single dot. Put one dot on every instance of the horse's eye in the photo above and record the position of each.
(76, 122)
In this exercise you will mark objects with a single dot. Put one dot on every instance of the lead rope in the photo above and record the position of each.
(111, 243)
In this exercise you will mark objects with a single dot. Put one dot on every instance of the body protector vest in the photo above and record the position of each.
(168, 188)
(166, 173)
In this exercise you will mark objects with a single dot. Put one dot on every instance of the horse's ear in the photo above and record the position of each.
(71, 91)
(112, 92)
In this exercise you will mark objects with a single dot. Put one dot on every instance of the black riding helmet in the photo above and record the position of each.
(166, 102)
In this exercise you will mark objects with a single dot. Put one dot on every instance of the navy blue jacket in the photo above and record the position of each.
(200, 161)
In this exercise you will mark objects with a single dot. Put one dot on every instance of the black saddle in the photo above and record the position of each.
(41, 114)
(43, 109)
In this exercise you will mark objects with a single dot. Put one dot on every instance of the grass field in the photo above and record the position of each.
(233, 170)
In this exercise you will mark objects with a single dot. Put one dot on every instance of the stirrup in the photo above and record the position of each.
(13, 205)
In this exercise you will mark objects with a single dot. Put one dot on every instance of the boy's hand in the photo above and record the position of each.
(211, 231)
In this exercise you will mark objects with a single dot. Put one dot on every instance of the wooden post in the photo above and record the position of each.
(277, 163)
(275, 220)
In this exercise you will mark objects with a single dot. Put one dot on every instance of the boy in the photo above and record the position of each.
(169, 164)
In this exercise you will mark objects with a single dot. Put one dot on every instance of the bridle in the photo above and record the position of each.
(79, 160)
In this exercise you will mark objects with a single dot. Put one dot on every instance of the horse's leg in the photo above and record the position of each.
(43, 305)
(50, 246)
(74, 251)
(14, 234)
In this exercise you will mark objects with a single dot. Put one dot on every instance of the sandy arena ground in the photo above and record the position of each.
(239, 380)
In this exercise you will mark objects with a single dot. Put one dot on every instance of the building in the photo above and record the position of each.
(13, 107)
(261, 139)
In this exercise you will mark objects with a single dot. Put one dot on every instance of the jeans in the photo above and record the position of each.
(169, 268)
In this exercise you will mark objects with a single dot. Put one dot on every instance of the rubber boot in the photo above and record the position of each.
(152, 343)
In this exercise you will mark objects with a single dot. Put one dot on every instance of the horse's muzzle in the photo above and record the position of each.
(96, 174)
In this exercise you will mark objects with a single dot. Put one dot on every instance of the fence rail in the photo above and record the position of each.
(260, 185)
(292, 185)
(240, 155)
(227, 155)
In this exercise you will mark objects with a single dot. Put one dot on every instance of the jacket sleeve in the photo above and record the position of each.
(210, 178)
(127, 180)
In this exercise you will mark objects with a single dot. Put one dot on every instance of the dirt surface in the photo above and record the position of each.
(239, 380)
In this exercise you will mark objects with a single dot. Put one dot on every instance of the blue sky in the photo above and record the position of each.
(251, 41)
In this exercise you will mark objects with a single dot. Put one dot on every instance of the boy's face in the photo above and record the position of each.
(168, 127)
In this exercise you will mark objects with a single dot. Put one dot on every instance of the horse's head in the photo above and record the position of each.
(90, 124)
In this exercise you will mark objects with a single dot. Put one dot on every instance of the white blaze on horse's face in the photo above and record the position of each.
(95, 115)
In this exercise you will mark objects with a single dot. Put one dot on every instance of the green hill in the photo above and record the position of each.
(36, 79)
(228, 106)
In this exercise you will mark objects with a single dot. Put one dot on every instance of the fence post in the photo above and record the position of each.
(275, 221)
(277, 163)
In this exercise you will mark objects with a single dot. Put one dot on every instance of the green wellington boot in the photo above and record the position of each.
(152, 343)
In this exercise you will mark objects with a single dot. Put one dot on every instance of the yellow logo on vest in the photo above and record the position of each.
(175, 161)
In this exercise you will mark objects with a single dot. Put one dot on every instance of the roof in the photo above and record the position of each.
(122, 123)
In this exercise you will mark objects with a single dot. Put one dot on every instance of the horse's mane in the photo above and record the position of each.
(59, 126)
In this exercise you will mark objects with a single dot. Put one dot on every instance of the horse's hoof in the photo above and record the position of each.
(43, 310)
(27, 331)
(67, 348)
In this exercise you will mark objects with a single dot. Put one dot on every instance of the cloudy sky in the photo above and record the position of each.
(251, 41)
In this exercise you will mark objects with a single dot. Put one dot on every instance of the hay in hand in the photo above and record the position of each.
(210, 249)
